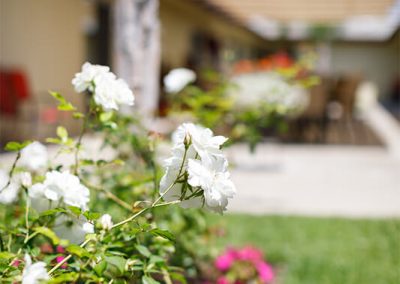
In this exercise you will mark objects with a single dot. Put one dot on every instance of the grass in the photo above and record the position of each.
(320, 250)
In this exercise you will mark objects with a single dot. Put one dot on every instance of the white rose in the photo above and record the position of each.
(61, 186)
(108, 91)
(106, 222)
(90, 73)
(34, 156)
(177, 79)
(72, 228)
(212, 176)
(10, 193)
(203, 140)
(34, 273)
(205, 164)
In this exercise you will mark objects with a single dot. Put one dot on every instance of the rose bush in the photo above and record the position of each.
(261, 95)
(102, 219)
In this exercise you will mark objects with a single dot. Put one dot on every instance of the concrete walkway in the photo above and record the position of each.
(350, 181)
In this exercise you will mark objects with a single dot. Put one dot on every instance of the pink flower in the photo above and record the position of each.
(265, 272)
(224, 262)
(16, 263)
(59, 259)
(60, 249)
(250, 254)
(222, 280)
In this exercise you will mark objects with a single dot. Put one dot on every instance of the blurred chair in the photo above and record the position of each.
(340, 112)
(311, 125)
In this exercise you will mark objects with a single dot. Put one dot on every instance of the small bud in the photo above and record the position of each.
(88, 228)
(26, 179)
(106, 222)
(188, 140)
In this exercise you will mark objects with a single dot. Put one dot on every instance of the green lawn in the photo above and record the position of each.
(320, 250)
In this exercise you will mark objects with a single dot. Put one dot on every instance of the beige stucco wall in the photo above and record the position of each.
(46, 39)
(379, 62)
(180, 19)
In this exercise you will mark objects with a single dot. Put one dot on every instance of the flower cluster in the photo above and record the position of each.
(61, 187)
(269, 88)
(108, 91)
(243, 265)
(197, 172)
(177, 79)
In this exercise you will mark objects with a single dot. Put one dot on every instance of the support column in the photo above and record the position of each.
(136, 50)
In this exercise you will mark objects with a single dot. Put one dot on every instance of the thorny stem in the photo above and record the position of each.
(11, 173)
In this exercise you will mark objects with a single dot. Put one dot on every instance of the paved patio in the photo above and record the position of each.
(351, 181)
(318, 180)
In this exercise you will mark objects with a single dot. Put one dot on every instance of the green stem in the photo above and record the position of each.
(27, 213)
(11, 173)
(109, 195)
(115, 226)
(67, 257)
(177, 177)
(78, 144)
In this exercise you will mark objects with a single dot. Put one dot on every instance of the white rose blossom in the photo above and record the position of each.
(72, 228)
(212, 176)
(177, 79)
(34, 157)
(197, 152)
(90, 73)
(106, 222)
(25, 179)
(60, 187)
(10, 193)
(34, 273)
(108, 91)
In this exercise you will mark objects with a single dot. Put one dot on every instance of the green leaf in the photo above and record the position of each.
(53, 212)
(106, 116)
(53, 140)
(156, 259)
(143, 250)
(78, 115)
(6, 255)
(48, 233)
(70, 277)
(117, 261)
(163, 233)
(77, 250)
(100, 267)
(149, 280)
(75, 210)
(57, 96)
(16, 146)
(91, 215)
(62, 133)
(178, 277)
(87, 162)
(64, 105)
